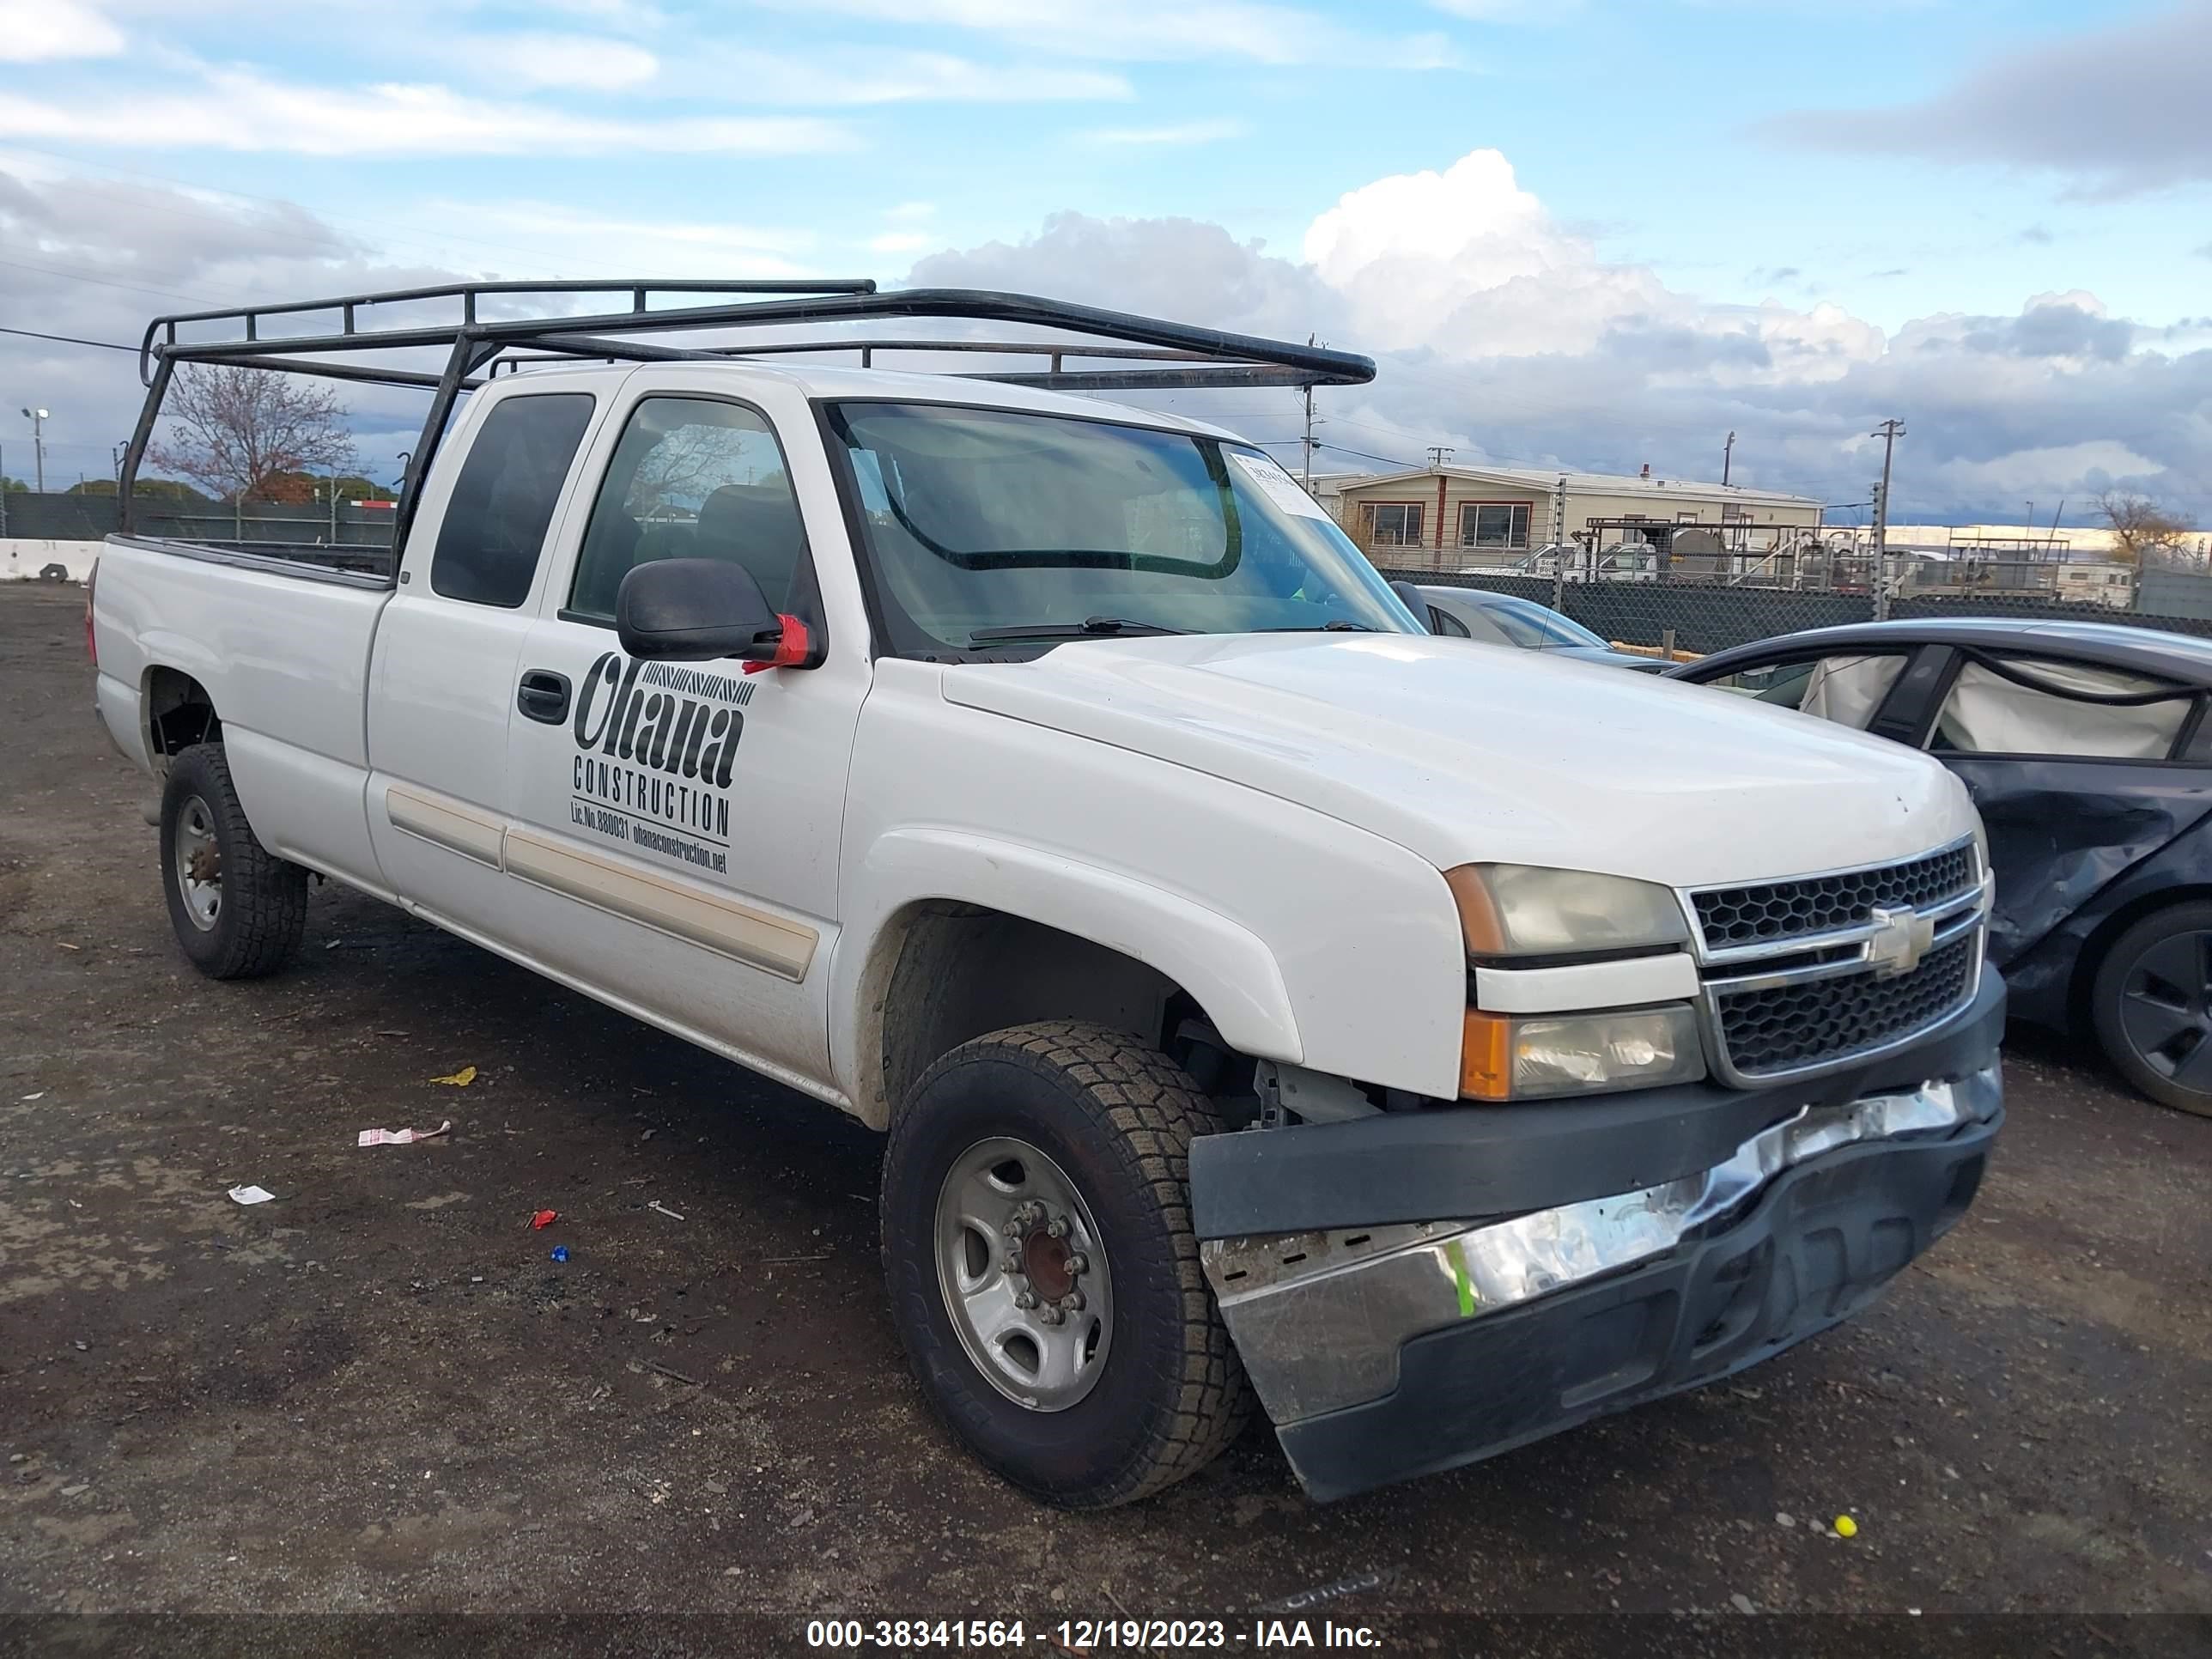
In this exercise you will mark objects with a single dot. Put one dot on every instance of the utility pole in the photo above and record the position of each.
(1728, 454)
(1308, 441)
(1439, 453)
(38, 417)
(1889, 432)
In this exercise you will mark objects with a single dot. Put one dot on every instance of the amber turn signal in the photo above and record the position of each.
(1485, 1057)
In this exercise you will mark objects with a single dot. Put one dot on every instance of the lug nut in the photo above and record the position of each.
(1012, 1228)
(1057, 1227)
(1078, 1263)
(1025, 1300)
(1050, 1314)
(1073, 1302)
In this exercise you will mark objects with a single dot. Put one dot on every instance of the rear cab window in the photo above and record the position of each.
(503, 502)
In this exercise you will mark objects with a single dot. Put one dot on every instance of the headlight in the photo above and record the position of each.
(1522, 910)
(1504, 1057)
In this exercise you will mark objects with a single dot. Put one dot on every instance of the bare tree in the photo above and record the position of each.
(2143, 532)
(234, 430)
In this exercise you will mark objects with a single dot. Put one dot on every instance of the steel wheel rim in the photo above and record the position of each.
(199, 874)
(2165, 1010)
(1023, 1269)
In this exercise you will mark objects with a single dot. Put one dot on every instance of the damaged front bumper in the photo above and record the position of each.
(1396, 1347)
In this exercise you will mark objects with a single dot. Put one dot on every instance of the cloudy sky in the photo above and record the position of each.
(1579, 233)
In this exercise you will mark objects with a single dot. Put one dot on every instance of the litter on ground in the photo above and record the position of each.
(400, 1136)
(460, 1080)
(251, 1195)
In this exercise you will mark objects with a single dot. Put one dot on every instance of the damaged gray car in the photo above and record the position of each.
(2087, 748)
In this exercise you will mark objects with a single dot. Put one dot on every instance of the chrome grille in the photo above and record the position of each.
(1732, 917)
(1789, 1027)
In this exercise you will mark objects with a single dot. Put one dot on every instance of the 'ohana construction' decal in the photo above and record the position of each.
(655, 746)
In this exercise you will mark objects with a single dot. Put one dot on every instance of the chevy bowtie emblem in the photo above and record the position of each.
(1901, 939)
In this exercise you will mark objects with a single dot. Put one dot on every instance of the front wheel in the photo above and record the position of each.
(1042, 1270)
(2151, 1003)
(238, 909)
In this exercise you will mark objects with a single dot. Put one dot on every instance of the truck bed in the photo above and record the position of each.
(280, 637)
(309, 561)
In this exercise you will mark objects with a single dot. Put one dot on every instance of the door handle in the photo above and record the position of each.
(543, 695)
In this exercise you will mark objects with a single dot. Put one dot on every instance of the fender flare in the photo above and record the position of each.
(1224, 965)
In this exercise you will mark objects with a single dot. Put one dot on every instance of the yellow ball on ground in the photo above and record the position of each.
(1845, 1526)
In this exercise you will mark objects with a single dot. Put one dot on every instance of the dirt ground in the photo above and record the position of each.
(379, 1393)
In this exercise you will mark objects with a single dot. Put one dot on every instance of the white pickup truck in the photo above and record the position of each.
(1446, 1044)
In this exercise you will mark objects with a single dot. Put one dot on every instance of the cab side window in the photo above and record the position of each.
(1442, 622)
(2038, 706)
(691, 478)
(504, 500)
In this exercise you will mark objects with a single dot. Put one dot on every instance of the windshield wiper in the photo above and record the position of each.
(1334, 625)
(1090, 627)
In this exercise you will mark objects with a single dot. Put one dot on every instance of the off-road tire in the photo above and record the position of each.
(1118, 1117)
(264, 909)
(2108, 991)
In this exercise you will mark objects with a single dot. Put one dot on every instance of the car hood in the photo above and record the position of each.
(1462, 753)
(1606, 656)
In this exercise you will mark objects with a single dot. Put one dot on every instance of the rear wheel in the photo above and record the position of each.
(237, 908)
(1043, 1273)
(2151, 1003)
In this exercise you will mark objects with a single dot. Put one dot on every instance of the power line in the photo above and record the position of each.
(67, 339)
(1387, 460)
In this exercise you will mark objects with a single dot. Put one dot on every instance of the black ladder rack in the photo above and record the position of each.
(1133, 352)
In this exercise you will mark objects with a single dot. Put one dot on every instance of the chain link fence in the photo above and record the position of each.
(1693, 618)
(77, 518)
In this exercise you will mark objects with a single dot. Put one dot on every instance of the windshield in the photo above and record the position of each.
(1537, 626)
(985, 527)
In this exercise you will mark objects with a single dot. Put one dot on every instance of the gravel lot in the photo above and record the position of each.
(379, 1393)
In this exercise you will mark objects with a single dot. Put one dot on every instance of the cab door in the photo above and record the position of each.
(442, 685)
(673, 828)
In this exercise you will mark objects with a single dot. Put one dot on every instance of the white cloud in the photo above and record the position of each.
(907, 213)
(2032, 470)
(1164, 30)
(40, 31)
(1186, 133)
(1510, 11)
(237, 109)
(2117, 108)
(899, 241)
(1466, 263)
(1499, 331)
(585, 62)
(856, 76)
(548, 235)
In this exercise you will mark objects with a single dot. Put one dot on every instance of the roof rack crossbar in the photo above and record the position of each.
(365, 374)
(639, 290)
(1322, 366)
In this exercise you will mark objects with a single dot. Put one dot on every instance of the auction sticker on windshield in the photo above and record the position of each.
(1277, 485)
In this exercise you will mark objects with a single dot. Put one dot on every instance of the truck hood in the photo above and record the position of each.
(1461, 752)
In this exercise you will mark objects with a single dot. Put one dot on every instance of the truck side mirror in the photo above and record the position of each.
(697, 610)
